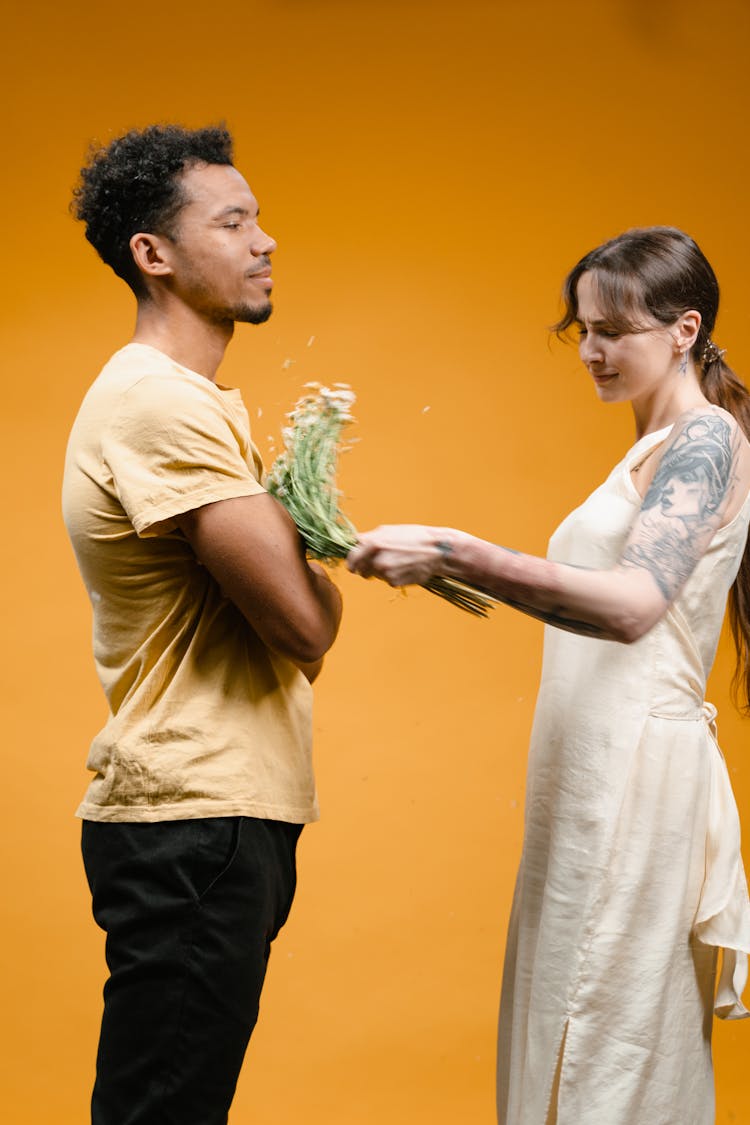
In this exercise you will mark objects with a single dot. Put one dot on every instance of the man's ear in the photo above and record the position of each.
(151, 254)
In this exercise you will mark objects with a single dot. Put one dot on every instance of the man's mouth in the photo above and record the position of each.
(262, 278)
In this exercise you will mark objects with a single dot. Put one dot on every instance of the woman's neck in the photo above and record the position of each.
(666, 404)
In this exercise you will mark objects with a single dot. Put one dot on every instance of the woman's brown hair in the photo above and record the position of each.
(662, 272)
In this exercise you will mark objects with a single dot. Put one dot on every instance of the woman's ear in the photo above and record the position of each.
(150, 254)
(686, 329)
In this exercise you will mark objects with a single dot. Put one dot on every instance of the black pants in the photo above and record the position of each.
(190, 908)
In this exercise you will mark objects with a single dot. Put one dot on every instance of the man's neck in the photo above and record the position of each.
(184, 336)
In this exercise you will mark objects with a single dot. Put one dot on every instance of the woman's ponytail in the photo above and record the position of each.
(723, 388)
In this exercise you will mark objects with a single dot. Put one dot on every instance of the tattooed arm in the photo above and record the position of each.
(693, 487)
(686, 501)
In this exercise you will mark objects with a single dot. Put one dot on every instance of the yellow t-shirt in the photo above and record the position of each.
(204, 719)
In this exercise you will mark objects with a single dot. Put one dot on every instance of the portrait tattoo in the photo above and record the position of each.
(684, 504)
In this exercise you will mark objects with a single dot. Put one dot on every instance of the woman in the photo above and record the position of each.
(631, 878)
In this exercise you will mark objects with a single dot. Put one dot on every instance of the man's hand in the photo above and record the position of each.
(253, 550)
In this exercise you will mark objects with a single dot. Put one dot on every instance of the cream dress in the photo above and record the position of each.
(631, 876)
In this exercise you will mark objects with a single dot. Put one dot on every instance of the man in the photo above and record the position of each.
(208, 625)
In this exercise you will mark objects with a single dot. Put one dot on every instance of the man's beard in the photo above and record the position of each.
(252, 314)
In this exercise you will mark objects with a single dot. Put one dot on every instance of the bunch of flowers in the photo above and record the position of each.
(303, 479)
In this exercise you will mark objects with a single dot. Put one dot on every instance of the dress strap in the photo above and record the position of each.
(645, 446)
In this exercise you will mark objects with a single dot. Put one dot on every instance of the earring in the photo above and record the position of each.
(683, 362)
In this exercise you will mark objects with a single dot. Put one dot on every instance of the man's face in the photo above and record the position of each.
(220, 257)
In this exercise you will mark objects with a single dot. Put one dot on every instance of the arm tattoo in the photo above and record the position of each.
(684, 504)
(549, 617)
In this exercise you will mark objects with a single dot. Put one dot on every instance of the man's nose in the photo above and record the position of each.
(263, 243)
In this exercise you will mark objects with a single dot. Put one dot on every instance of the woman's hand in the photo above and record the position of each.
(402, 554)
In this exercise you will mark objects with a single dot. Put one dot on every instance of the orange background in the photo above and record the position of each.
(430, 171)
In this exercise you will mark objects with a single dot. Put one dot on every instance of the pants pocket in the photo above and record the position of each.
(216, 847)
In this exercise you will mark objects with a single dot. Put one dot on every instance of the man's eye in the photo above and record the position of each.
(232, 226)
(582, 332)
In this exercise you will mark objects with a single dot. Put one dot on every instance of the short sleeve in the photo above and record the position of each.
(173, 446)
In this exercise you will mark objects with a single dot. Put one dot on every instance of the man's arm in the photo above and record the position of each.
(253, 550)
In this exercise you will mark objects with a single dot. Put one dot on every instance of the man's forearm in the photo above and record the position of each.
(252, 548)
(330, 598)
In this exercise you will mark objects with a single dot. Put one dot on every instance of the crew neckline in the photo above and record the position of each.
(180, 366)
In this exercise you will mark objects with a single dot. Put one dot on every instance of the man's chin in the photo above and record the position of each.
(255, 314)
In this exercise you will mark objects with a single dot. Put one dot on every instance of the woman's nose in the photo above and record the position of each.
(590, 349)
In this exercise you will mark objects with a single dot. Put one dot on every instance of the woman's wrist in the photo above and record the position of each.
(450, 545)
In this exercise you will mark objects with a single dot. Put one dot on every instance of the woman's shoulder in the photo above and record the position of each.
(714, 424)
(706, 442)
(716, 418)
(701, 426)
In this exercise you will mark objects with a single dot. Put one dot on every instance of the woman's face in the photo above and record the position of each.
(625, 367)
(685, 494)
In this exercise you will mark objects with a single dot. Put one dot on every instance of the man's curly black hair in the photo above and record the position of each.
(133, 184)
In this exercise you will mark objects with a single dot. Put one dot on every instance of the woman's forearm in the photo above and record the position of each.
(619, 604)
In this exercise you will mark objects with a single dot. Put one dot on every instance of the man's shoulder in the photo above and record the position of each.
(140, 381)
(135, 365)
